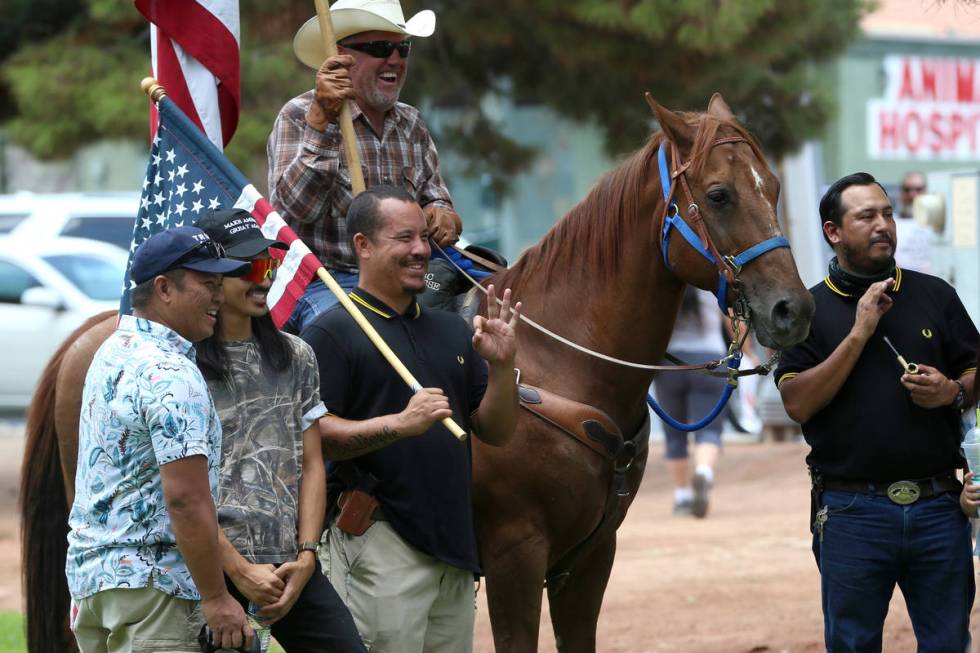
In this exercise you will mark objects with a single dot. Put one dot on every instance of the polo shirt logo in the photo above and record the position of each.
(460, 360)
(927, 333)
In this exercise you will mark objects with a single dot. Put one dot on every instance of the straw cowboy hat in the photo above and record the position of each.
(356, 16)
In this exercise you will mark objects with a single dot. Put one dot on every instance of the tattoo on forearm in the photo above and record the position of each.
(359, 444)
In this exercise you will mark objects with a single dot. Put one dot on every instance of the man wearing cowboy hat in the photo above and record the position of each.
(309, 183)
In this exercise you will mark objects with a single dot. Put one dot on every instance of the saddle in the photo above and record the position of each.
(589, 425)
(593, 428)
(446, 287)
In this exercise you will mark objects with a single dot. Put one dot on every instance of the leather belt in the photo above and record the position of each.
(900, 492)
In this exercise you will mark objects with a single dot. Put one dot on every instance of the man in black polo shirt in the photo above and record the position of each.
(885, 442)
(401, 546)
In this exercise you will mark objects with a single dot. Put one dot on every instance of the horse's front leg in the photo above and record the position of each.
(575, 607)
(515, 560)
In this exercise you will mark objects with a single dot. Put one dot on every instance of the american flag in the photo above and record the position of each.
(195, 56)
(186, 176)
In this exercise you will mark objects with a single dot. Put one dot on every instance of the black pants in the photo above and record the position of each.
(319, 622)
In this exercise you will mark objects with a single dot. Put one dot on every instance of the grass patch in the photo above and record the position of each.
(12, 633)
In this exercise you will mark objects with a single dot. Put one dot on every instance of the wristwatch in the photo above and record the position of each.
(959, 403)
(311, 545)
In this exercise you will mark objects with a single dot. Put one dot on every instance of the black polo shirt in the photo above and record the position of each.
(871, 430)
(424, 481)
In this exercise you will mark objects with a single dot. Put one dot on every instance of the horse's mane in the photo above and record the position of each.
(592, 233)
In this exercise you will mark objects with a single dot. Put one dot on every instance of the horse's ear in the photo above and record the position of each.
(678, 132)
(718, 108)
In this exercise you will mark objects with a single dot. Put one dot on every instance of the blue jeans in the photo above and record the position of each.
(869, 544)
(317, 298)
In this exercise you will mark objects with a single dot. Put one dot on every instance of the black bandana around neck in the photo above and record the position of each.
(856, 284)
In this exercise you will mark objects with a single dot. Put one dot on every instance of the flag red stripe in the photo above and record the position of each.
(282, 309)
(171, 75)
(208, 40)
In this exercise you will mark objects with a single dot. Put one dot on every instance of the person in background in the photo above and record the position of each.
(688, 396)
(309, 183)
(142, 563)
(914, 247)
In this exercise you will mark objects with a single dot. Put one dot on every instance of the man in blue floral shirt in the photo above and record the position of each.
(143, 559)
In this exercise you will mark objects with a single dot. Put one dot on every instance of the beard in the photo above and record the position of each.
(383, 101)
(862, 263)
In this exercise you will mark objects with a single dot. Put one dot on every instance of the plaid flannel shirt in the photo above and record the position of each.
(309, 181)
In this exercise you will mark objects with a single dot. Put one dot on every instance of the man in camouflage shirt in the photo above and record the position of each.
(272, 486)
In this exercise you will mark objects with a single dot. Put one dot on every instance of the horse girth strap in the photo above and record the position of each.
(587, 424)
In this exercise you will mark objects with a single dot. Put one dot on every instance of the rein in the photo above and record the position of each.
(679, 365)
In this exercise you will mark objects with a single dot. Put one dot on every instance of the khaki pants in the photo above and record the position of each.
(403, 601)
(137, 621)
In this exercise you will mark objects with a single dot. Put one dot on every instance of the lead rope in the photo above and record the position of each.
(706, 368)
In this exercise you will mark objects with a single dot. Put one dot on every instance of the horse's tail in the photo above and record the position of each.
(44, 515)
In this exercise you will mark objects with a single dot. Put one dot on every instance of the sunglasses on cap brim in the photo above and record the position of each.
(262, 269)
(381, 49)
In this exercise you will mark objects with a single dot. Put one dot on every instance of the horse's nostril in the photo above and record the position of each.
(782, 314)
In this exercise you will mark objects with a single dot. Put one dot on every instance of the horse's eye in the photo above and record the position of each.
(718, 196)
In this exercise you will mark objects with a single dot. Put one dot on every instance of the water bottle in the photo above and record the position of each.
(262, 626)
(971, 451)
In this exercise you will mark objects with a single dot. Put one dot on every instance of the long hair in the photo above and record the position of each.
(212, 357)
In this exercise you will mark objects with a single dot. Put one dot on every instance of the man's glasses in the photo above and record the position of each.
(381, 49)
(262, 269)
(913, 189)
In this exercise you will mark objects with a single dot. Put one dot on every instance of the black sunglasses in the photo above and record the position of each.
(381, 49)
(913, 189)
(209, 247)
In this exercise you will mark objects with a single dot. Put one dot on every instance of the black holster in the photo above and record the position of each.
(816, 489)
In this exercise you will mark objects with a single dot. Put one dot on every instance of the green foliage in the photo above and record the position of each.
(67, 100)
(75, 79)
(593, 59)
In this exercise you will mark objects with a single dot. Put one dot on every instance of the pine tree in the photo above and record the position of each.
(72, 70)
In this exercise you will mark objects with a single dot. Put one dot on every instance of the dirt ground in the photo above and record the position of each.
(742, 580)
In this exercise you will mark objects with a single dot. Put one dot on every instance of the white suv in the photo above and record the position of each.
(108, 217)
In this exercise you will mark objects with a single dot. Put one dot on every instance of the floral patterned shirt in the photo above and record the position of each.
(144, 404)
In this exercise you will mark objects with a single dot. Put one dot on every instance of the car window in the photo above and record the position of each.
(97, 277)
(14, 280)
(116, 230)
(10, 220)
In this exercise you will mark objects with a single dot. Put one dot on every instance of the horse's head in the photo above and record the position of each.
(725, 232)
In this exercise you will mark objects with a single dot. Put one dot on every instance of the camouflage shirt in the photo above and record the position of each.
(263, 415)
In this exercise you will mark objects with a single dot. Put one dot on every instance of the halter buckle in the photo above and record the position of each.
(735, 267)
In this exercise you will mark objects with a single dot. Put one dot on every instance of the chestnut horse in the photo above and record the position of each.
(547, 505)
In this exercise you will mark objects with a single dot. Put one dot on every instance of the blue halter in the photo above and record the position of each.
(728, 266)
(673, 219)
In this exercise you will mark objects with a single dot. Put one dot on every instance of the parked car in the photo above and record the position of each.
(107, 217)
(47, 288)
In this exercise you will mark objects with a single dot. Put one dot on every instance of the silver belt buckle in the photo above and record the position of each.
(904, 492)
